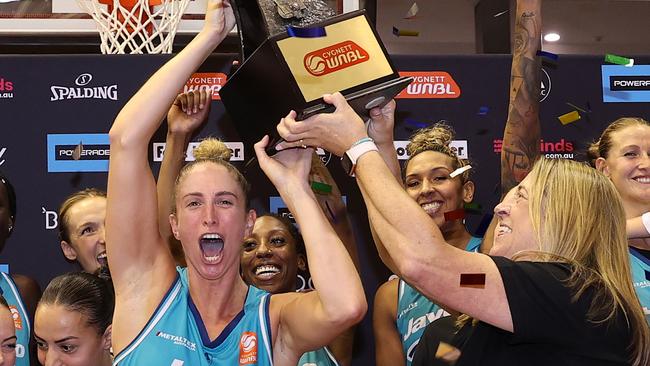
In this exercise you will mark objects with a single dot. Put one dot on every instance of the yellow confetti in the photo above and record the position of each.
(569, 117)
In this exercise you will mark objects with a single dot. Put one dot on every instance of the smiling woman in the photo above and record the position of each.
(8, 338)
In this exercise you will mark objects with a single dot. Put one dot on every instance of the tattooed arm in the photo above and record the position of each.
(522, 132)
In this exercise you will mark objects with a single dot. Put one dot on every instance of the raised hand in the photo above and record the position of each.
(188, 111)
(287, 169)
(219, 18)
(382, 123)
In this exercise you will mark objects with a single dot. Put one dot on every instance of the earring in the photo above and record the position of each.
(11, 227)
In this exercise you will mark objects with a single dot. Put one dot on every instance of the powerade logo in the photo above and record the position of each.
(77, 152)
(236, 149)
(623, 84)
(6, 89)
(83, 91)
(430, 84)
(334, 58)
(457, 146)
(212, 81)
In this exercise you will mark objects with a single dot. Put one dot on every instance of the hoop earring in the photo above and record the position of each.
(304, 283)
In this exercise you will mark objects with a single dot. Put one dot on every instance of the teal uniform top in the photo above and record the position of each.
(319, 357)
(176, 336)
(9, 291)
(641, 279)
(415, 312)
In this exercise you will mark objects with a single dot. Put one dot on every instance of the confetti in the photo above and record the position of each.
(475, 280)
(472, 206)
(405, 32)
(314, 32)
(319, 187)
(569, 117)
(414, 123)
(460, 171)
(455, 215)
(413, 11)
(76, 153)
(549, 55)
(483, 226)
(483, 111)
(580, 109)
(500, 14)
(619, 60)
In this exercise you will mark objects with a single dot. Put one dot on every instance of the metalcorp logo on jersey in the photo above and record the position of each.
(334, 58)
(77, 152)
(83, 90)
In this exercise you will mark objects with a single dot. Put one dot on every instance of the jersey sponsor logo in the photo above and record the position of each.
(15, 314)
(334, 58)
(430, 84)
(83, 91)
(6, 89)
(236, 149)
(411, 306)
(211, 81)
(177, 340)
(457, 146)
(78, 152)
(416, 324)
(248, 348)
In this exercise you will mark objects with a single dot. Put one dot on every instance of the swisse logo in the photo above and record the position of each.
(6, 89)
(459, 147)
(211, 81)
(236, 150)
(82, 91)
(78, 152)
(430, 84)
(248, 348)
(334, 58)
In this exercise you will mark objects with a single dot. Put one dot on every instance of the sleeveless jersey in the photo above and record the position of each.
(319, 357)
(176, 336)
(9, 291)
(415, 312)
(641, 279)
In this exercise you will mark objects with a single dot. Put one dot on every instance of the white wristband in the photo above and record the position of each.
(646, 221)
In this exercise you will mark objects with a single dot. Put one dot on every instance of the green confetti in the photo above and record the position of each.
(619, 60)
(319, 187)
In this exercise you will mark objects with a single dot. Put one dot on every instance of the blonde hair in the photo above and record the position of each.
(436, 138)
(600, 148)
(578, 218)
(71, 200)
(212, 150)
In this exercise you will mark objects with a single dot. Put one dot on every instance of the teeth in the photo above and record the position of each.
(431, 207)
(266, 269)
(502, 229)
(642, 179)
(213, 258)
(102, 256)
(211, 236)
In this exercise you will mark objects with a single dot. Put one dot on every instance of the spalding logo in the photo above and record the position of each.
(334, 58)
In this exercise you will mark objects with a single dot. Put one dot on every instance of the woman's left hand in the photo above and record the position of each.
(288, 168)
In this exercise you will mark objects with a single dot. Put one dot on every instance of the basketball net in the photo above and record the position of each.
(135, 26)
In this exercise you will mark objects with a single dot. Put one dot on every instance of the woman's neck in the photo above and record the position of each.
(457, 235)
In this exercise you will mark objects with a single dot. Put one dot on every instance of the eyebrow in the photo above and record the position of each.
(10, 338)
(218, 194)
(65, 339)
(431, 170)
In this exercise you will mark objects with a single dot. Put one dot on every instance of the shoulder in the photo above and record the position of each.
(386, 298)
(29, 289)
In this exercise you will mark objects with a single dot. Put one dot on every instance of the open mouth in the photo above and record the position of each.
(266, 272)
(502, 229)
(431, 208)
(102, 259)
(644, 180)
(211, 247)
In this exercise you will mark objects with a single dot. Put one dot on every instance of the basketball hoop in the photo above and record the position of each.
(135, 26)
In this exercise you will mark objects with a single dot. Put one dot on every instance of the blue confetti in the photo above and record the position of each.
(483, 111)
(416, 124)
(552, 56)
(314, 32)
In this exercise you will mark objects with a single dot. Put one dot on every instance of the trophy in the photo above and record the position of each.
(281, 71)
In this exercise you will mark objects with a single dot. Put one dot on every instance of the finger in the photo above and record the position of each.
(203, 99)
(183, 99)
(191, 103)
(288, 135)
(337, 99)
(293, 126)
(260, 150)
(306, 144)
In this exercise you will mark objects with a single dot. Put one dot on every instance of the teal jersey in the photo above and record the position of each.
(10, 292)
(176, 336)
(415, 312)
(319, 357)
(640, 271)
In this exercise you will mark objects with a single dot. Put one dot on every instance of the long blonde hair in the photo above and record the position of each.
(578, 217)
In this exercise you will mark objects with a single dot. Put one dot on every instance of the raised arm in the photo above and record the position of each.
(139, 258)
(339, 300)
(411, 238)
(389, 350)
(188, 112)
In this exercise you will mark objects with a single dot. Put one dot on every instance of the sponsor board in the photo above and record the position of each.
(623, 84)
(83, 90)
(545, 88)
(334, 58)
(51, 218)
(277, 206)
(6, 88)
(92, 152)
(236, 148)
(430, 84)
(457, 146)
(560, 149)
(212, 81)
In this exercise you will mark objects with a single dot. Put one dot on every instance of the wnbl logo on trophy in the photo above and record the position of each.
(334, 58)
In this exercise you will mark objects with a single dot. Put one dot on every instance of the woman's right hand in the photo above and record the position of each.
(219, 19)
(288, 169)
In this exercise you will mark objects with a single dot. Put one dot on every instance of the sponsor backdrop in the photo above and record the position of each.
(51, 104)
